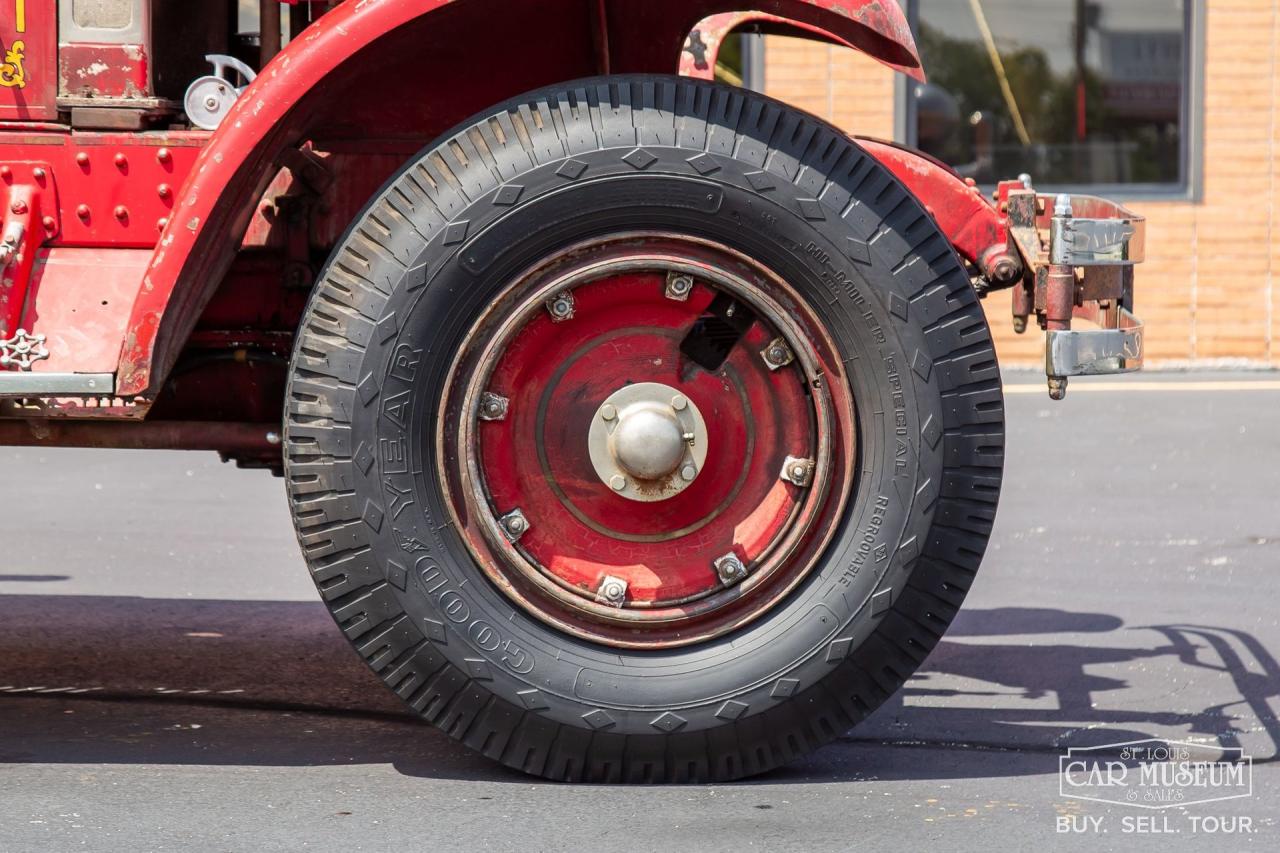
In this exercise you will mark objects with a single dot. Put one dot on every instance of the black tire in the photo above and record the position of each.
(419, 263)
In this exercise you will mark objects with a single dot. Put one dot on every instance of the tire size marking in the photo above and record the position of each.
(839, 280)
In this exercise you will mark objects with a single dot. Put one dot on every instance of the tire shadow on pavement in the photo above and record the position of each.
(123, 680)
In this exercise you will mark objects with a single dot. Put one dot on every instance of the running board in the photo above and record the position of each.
(29, 384)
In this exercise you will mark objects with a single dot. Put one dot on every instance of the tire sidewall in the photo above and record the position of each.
(829, 255)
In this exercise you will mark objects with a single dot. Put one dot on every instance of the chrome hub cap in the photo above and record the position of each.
(647, 441)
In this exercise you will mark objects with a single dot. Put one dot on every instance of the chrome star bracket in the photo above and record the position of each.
(22, 350)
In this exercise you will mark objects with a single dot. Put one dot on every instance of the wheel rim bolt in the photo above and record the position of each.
(777, 354)
(560, 306)
(514, 524)
(608, 411)
(797, 471)
(679, 403)
(679, 287)
(729, 569)
(618, 482)
(493, 407)
(688, 472)
(612, 591)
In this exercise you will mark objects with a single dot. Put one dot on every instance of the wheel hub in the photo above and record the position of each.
(577, 457)
(647, 441)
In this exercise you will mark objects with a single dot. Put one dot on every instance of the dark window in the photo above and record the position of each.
(1073, 92)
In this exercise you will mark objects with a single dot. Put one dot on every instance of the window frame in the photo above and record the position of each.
(1189, 188)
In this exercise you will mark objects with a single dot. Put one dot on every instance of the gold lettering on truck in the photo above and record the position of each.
(12, 74)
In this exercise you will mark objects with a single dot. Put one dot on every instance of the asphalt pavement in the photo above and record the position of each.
(169, 680)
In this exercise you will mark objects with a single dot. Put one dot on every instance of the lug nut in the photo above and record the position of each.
(688, 472)
(514, 524)
(617, 482)
(612, 591)
(493, 407)
(729, 569)
(777, 354)
(560, 306)
(797, 471)
(679, 287)
(679, 403)
(608, 411)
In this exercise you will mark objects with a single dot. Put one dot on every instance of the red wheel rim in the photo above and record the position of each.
(610, 476)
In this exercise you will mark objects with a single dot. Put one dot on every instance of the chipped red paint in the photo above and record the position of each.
(82, 325)
(703, 48)
(103, 71)
(327, 82)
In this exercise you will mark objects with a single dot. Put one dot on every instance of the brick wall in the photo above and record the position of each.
(1207, 288)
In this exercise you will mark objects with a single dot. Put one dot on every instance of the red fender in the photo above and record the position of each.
(411, 69)
(699, 57)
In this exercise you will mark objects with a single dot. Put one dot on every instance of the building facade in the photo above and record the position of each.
(1169, 106)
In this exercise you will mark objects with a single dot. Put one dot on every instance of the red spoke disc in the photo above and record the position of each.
(662, 468)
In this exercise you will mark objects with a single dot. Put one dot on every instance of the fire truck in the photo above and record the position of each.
(635, 426)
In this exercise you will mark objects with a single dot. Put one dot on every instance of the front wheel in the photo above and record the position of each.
(644, 430)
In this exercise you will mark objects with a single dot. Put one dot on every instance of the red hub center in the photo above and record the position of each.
(650, 448)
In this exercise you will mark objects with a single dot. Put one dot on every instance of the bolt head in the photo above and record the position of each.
(679, 287)
(608, 411)
(679, 403)
(729, 568)
(612, 590)
(561, 306)
(516, 525)
(688, 472)
(618, 482)
(18, 207)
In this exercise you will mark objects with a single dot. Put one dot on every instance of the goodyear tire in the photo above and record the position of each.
(698, 249)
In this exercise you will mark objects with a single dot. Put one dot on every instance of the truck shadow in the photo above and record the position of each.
(121, 680)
